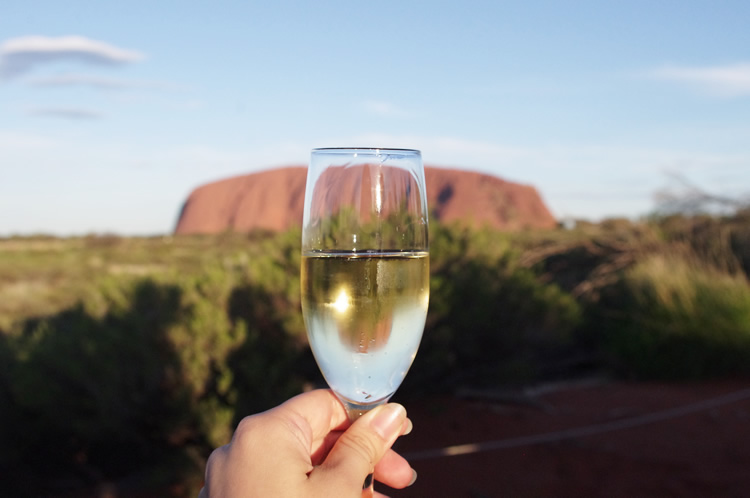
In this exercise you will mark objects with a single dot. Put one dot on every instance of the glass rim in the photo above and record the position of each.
(370, 150)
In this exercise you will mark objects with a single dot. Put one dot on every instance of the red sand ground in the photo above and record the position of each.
(700, 447)
(609, 440)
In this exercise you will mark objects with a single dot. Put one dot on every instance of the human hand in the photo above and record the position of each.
(307, 447)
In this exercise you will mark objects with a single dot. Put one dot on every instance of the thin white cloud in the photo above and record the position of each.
(20, 55)
(65, 113)
(14, 141)
(731, 80)
(384, 109)
(102, 83)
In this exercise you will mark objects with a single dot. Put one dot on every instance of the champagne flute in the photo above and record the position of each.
(365, 270)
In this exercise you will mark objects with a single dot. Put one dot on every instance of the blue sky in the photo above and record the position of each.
(111, 113)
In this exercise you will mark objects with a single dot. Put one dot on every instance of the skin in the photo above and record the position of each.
(307, 447)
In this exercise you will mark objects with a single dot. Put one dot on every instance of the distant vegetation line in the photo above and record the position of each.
(121, 356)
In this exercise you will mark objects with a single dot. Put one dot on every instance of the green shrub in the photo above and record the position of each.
(720, 243)
(84, 385)
(668, 318)
(490, 320)
(144, 353)
(154, 370)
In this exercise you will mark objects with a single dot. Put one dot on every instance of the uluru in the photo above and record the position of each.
(273, 200)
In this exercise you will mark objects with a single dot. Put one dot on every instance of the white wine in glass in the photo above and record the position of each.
(365, 269)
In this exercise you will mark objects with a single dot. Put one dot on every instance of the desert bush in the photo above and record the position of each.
(94, 387)
(152, 370)
(490, 320)
(145, 352)
(677, 319)
(721, 243)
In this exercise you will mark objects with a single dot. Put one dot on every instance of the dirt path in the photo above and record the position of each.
(608, 440)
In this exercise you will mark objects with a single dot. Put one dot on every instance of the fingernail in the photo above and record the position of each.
(409, 427)
(388, 420)
(413, 477)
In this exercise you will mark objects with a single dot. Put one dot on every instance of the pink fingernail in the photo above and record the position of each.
(409, 427)
(388, 420)
(413, 477)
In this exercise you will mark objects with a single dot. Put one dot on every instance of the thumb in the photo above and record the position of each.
(361, 446)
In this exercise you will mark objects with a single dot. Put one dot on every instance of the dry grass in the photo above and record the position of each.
(40, 276)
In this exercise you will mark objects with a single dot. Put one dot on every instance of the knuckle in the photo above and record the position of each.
(216, 458)
(361, 445)
(243, 439)
(245, 426)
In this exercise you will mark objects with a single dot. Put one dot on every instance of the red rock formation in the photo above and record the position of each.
(478, 199)
(274, 200)
(270, 200)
